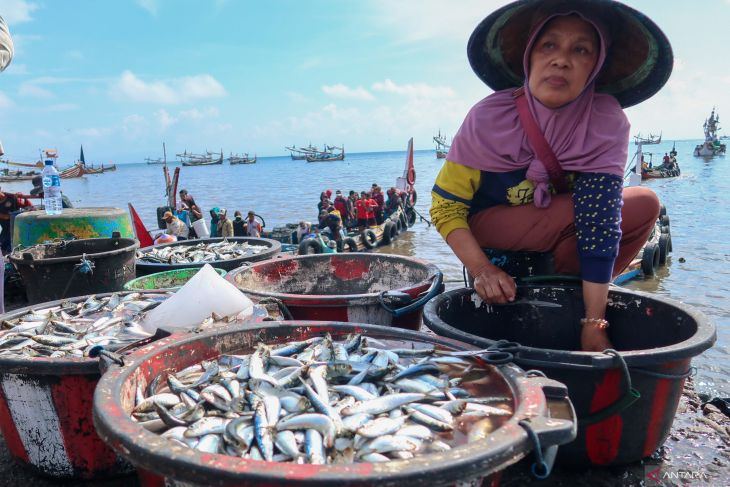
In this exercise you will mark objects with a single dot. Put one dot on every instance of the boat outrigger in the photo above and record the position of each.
(711, 146)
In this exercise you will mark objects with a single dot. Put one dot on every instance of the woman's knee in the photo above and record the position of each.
(639, 200)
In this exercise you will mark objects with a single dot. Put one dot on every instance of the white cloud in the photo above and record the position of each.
(17, 11)
(93, 132)
(422, 20)
(32, 90)
(152, 6)
(164, 119)
(420, 90)
(195, 114)
(5, 102)
(342, 91)
(171, 92)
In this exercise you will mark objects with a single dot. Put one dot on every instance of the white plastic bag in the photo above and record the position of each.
(204, 294)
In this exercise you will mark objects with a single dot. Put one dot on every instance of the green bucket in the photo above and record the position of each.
(168, 280)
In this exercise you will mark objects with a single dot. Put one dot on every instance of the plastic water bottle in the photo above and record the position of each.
(52, 190)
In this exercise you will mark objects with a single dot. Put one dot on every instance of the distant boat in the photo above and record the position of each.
(442, 146)
(327, 156)
(244, 159)
(711, 146)
(650, 140)
(160, 160)
(301, 153)
(190, 159)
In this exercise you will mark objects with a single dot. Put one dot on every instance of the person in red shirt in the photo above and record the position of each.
(341, 204)
(372, 207)
(361, 208)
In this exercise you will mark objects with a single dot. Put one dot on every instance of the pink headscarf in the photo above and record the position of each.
(589, 134)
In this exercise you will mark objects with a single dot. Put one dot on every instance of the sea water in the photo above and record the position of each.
(286, 191)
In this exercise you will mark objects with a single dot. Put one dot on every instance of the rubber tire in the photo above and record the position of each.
(390, 232)
(665, 244)
(369, 239)
(350, 244)
(664, 229)
(403, 221)
(309, 244)
(664, 220)
(398, 225)
(650, 259)
(411, 217)
(414, 196)
(662, 210)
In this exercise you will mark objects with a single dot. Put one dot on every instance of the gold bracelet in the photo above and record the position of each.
(600, 323)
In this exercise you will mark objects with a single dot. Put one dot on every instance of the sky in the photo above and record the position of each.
(123, 76)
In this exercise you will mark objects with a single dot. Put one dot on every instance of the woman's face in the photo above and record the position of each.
(562, 59)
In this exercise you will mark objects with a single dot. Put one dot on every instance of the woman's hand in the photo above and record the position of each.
(594, 339)
(494, 285)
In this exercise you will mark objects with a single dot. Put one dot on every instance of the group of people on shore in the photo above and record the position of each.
(180, 224)
(366, 209)
(363, 210)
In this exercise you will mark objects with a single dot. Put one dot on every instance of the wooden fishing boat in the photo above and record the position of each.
(659, 173)
(384, 234)
(190, 159)
(154, 161)
(244, 159)
(301, 153)
(75, 171)
(711, 146)
(9, 178)
(327, 156)
(650, 140)
(442, 146)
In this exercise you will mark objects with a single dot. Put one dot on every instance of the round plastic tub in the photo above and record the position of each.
(163, 463)
(274, 247)
(381, 289)
(624, 414)
(168, 280)
(75, 267)
(46, 414)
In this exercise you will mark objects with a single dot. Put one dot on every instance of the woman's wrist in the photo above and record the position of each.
(479, 269)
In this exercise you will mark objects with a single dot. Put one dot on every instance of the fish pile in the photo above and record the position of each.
(322, 401)
(199, 253)
(74, 329)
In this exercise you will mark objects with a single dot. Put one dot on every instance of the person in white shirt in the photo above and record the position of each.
(175, 226)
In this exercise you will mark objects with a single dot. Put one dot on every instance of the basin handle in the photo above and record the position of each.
(435, 289)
